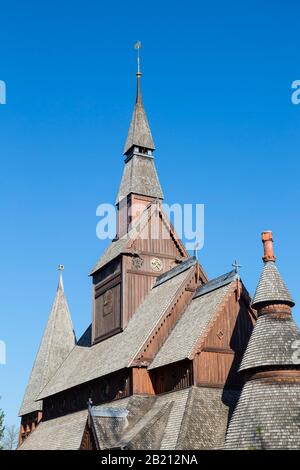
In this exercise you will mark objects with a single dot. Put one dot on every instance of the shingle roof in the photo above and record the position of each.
(116, 352)
(271, 287)
(206, 418)
(216, 283)
(192, 418)
(114, 249)
(142, 428)
(57, 342)
(193, 323)
(140, 177)
(139, 133)
(271, 343)
(64, 433)
(266, 417)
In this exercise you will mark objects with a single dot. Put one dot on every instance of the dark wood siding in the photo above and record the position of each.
(172, 377)
(107, 310)
(102, 390)
(218, 361)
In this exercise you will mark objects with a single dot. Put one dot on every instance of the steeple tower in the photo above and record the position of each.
(267, 414)
(140, 184)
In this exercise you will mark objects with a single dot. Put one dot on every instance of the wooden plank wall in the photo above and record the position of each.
(221, 353)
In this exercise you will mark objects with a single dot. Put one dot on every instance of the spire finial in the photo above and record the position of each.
(137, 46)
(60, 269)
(267, 239)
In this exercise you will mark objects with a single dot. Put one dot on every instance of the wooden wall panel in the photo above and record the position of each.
(220, 354)
(108, 311)
(232, 328)
(214, 368)
(107, 308)
(141, 381)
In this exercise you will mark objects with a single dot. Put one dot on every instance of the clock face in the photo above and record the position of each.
(156, 264)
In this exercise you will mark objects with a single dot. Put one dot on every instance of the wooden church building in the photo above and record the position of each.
(171, 359)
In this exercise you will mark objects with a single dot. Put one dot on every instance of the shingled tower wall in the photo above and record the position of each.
(268, 413)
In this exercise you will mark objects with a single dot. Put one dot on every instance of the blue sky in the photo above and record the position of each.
(217, 89)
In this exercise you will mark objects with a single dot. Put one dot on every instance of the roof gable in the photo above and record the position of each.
(193, 324)
(125, 244)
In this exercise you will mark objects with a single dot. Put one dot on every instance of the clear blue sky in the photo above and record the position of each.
(217, 89)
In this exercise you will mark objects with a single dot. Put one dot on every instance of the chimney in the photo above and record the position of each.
(267, 239)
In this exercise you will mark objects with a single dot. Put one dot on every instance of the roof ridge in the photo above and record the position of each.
(180, 268)
(216, 283)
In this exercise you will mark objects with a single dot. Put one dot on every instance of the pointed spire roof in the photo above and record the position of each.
(139, 133)
(271, 287)
(273, 336)
(57, 342)
(140, 175)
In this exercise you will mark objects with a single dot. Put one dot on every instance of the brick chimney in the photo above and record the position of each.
(267, 239)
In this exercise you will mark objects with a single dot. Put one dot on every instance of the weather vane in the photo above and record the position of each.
(236, 266)
(137, 46)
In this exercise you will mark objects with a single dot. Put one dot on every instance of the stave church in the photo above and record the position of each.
(171, 359)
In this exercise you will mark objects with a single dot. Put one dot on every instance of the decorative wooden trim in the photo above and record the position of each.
(160, 255)
(143, 353)
(280, 375)
(219, 350)
(114, 281)
(191, 289)
(143, 273)
(209, 385)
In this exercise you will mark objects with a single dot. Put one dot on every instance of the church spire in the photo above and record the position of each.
(57, 342)
(139, 134)
(139, 177)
